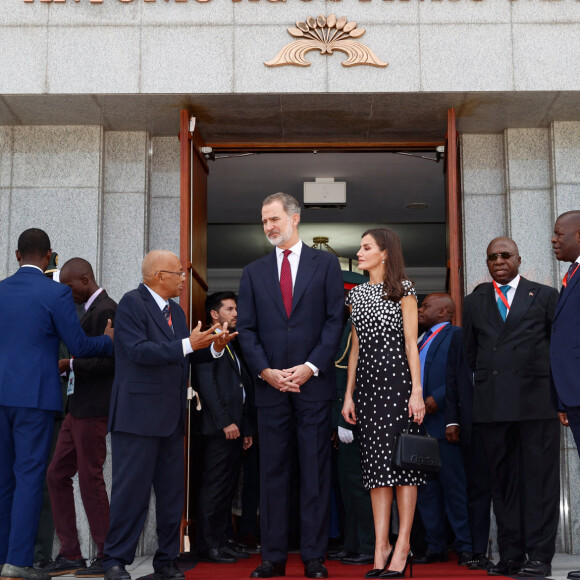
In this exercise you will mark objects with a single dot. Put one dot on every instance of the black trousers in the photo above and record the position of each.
(222, 459)
(524, 462)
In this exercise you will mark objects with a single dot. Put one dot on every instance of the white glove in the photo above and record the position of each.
(345, 435)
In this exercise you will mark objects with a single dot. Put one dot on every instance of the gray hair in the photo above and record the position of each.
(289, 202)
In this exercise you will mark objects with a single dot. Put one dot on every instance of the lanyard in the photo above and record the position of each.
(432, 337)
(565, 279)
(501, 295)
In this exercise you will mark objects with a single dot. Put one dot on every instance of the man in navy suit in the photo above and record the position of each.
(290, 321)
(35, 314)
(460, 429)
(445, 495)
(147, 414)
(565, 343)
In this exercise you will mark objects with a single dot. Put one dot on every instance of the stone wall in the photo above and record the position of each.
(221, 46)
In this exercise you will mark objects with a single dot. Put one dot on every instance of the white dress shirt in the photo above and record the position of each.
(162, 303)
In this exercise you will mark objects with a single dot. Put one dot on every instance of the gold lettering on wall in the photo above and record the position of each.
(326, 35)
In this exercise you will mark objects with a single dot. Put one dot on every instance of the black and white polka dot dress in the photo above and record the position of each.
(383, 384)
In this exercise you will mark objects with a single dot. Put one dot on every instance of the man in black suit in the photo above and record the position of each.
(565, 344)
(81, 445)
(225, 388)
(291, 304)
(147, 414)
(460, 429)
(507, 328)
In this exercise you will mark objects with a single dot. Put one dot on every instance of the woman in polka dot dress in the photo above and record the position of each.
(384, 367)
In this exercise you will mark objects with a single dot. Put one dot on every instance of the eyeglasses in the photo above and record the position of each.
(180, 274)
(503, 255)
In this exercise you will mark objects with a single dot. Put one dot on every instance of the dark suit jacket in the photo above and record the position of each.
(434, 379)
(35, 314)
(565, 345)
(94, 376)
(151, 373)
(459, 391)
(510, 359)
(220, 388)
(270, 339)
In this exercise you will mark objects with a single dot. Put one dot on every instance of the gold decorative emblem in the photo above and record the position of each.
(326, 35)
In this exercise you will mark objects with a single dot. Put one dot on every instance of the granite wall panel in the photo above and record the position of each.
(165, 159)
(6, 147)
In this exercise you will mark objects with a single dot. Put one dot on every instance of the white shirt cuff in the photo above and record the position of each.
(452, 425)
(214, 353)
(314, 369)
(186, 347)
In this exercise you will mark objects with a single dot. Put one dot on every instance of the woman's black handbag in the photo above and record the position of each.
(416, 451)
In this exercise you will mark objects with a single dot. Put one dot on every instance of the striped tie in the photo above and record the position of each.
(286, 283)
(167, 314)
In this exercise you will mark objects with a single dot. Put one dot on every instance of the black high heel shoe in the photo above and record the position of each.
(376, 572)
(396, 574)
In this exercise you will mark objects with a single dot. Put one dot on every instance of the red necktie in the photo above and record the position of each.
(286, 283)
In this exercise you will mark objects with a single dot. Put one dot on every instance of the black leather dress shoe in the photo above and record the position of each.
(358, 559)
(63, 565)
(315, 568)
(231, 543)
(269, 569)
(479, 562)
(535, 568)
(429, 557)
(234, 552)
(117, 573)
(216, 556)
(42, 564)
(574, 575)
(464, 558)
(505, 568)
(169, 572)
(340, 554)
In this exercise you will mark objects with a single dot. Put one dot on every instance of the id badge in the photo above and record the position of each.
(70, 388)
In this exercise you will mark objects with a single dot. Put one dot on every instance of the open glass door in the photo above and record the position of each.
(453, 211)
(193, 254)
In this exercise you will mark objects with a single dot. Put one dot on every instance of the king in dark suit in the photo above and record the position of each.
(147, 415)
(565, 344)
(35, 314)
(290, 322)
(226, 389)
(507, 329)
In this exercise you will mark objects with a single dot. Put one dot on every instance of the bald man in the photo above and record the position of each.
(445, 495)
(81, 446)
(507, 325)
(153, 350)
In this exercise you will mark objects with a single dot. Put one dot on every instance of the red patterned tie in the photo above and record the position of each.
(286, 283)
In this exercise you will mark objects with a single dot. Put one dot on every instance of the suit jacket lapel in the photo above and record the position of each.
(565, 293)
(272, 280)
(524, 296)
(155, 312)
(306, 269)
(91, 308)
(489, 303)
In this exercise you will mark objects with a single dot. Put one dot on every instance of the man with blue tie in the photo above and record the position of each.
(565, 344)
(445, 495)
(507, 329)
(290, 321)
(35, 314)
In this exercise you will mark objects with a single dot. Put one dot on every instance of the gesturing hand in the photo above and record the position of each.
(202, 339)
(223, 338)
